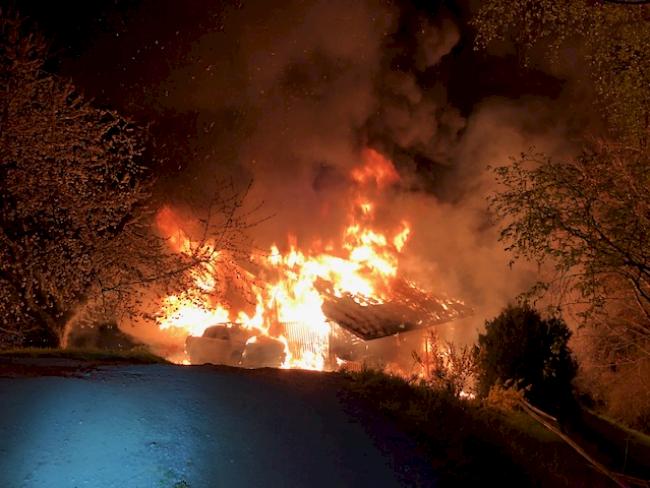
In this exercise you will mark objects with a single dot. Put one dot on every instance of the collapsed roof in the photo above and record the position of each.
(409, 308)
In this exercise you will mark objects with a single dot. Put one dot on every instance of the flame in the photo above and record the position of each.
(288, 301)
(376, 168)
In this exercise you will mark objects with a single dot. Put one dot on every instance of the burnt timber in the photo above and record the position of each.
(409, 308)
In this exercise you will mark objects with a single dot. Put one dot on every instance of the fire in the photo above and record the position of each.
(288, 300)
(376, 168)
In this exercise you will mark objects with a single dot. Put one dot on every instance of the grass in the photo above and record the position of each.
(133, 356)
(625, 431)
(470, 444)
(627, 450)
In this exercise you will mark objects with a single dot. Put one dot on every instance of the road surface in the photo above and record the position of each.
(168, 426)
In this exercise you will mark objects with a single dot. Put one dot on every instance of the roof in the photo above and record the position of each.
(409, 308)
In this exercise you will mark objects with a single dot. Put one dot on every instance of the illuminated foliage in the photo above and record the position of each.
(611, 38)
(589, 217)
(72, 194)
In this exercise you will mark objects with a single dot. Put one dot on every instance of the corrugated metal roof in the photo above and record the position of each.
(409, 308)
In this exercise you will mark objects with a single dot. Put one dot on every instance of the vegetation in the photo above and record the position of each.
(585, 219)
(447, 367)
(626, 450)
(73, 194)
(608, 41)
(470, 443)
(522, 347)
(590, 217)
(78, 242)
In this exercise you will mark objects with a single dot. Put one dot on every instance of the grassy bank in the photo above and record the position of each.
(623, 449)
(470, 444)
(132, 356)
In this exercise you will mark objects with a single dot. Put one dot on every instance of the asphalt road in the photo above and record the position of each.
(168, 426)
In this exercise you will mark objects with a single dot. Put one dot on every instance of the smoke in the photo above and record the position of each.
(309, 90)
(289, 96)
(456, 237)
(302, 83)
(314, 86)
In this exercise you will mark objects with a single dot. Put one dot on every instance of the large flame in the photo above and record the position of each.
(288, 300)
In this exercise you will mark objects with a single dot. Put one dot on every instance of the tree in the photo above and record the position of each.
(589, 217)
(73, 195)
(610, 40)
(80, 241)
(519, 345)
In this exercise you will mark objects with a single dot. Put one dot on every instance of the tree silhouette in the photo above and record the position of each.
(519, 345)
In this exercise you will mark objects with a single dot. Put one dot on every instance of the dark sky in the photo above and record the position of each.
(113, 46)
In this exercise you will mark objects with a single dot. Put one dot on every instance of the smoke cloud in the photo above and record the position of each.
(289, 96)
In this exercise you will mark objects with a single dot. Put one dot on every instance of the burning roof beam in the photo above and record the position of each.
(409, 308)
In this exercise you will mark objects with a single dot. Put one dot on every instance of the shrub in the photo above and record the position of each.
(520, 346)
(446, 366)
(506, 398)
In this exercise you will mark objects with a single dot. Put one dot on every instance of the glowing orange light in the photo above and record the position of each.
(362, 264)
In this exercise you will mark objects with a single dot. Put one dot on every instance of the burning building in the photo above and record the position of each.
(313, 307)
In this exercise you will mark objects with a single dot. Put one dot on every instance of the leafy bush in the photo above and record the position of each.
(519, 345)
(446, 366)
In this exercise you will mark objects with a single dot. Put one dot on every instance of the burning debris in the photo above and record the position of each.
(409, 308)
(304, 305)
